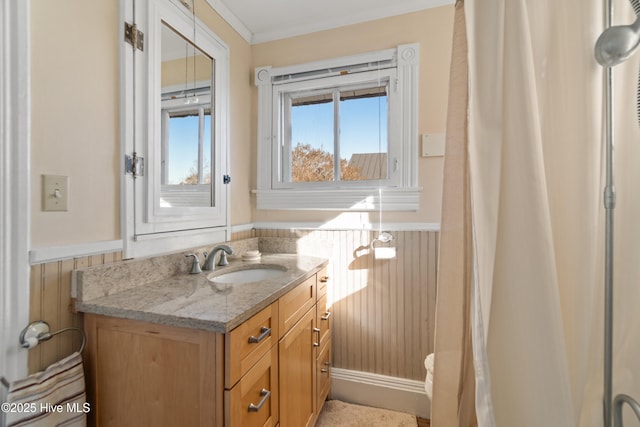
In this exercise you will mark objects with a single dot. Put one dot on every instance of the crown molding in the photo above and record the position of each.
(393, 9)
(231, 19)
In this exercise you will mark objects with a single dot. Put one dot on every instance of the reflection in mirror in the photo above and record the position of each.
(186, 146)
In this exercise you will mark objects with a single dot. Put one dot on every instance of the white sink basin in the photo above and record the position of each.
(253, 274)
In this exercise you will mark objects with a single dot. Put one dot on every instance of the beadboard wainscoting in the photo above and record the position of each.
(383, 310)
(50, 300)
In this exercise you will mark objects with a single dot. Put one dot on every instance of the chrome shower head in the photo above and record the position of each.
(616, 44)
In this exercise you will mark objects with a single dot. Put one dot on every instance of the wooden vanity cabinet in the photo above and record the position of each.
(253, 401)
(273, 369)
(304, 346)
(146, 374)
(251, 373)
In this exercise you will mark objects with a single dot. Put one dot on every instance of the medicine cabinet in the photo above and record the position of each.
(174, 120)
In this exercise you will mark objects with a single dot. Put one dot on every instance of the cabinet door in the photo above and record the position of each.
(295, 303)
(141, 373)
(298, 374)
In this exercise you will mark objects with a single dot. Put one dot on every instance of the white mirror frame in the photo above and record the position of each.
(147, 228)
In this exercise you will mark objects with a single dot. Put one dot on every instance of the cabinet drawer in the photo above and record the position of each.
(323, 319)
(294, 304)
(323, 281)
(323, 367)
(246, 344)
(253, 402)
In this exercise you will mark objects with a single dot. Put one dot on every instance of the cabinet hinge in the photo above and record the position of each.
(133, 36)
(134, 165)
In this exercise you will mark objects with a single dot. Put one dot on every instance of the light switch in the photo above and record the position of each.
(55, 192)
(433, 144)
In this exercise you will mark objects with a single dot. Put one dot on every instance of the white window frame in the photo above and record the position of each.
(281, 122)
(400, 191)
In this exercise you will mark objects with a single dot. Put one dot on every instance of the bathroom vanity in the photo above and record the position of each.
(187, 350)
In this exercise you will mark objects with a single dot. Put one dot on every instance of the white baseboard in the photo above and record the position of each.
(380, 391)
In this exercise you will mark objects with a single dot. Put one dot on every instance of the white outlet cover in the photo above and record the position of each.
(433, 144)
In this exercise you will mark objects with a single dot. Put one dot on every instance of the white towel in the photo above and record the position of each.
(54, 397)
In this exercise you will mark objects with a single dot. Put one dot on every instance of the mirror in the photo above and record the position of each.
(175, 130)
(186, 77)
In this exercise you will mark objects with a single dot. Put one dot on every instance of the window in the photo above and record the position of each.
(339, 134)
(346, 123)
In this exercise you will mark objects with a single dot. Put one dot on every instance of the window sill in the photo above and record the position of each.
(356, 199)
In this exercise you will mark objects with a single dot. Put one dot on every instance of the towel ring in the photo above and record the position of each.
(384, 237)
(38, 331)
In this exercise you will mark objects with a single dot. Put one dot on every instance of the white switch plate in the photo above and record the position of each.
(433, 144)
(55, 193)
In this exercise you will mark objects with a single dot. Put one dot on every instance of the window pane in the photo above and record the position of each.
(183, 148)
(312, 152)
(363, 134)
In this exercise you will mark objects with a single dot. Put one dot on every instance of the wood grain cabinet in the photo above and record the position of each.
(323, 352)
(274, 369)
(305, 353)
(251, 371)
(146, 374)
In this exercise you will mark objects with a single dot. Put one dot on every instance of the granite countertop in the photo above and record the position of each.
(191, 300)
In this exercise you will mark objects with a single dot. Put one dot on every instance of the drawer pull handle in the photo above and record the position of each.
(317, 331)
(264, 332)
(326, 316)
(324, 279)
(324, 371)
(265, 395)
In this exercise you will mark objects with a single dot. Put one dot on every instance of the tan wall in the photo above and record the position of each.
(431, 28)
(74, 119)
(75, 128)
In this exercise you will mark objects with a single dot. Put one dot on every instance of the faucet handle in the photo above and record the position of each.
(195, 267)
(223, 259)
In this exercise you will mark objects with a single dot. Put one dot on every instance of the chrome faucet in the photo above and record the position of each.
(209, 259)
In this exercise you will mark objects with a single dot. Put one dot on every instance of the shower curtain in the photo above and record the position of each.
(534, 277)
